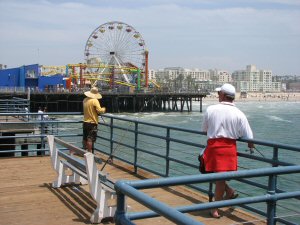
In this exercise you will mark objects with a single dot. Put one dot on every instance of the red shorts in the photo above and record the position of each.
(220, 155)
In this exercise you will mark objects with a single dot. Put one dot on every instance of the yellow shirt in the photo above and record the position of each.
(91, 110)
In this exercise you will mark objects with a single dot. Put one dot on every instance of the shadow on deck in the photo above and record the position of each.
(26, 197)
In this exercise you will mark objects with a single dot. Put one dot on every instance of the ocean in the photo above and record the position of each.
(270, 121)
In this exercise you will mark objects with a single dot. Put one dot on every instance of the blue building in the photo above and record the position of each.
(29, 76)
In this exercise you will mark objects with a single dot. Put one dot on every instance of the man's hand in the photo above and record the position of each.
(251, 145)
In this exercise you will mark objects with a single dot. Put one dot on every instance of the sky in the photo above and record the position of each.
(205, 34)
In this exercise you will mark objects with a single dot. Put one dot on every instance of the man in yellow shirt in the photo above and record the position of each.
(91, 110)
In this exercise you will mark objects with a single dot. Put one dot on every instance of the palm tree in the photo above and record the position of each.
(190, 82)
(179, 78)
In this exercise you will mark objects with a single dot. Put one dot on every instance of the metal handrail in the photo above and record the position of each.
(134, 129)
(131, 189)
(14, 105)
(33, 138)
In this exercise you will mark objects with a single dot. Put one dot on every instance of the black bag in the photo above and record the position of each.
(201, 166)
(201, 160)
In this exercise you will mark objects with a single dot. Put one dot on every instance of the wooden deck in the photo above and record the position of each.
(26, 197)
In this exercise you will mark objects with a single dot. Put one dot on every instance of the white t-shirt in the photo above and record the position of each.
(46, 117)
(227, 121)
(40, 112)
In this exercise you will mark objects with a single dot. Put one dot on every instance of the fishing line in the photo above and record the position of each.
(114, 150)
(125, 132)
(252, 151)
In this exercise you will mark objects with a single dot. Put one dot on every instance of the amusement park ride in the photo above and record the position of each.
(115, 55)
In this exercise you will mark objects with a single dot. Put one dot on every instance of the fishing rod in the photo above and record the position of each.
(102, 119)
(114, 150)
(111, 154)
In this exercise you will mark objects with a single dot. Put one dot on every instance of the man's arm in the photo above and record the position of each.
(99, 109)
(247, 132)
(205, 123)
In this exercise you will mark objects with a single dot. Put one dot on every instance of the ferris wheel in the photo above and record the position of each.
(116, 44)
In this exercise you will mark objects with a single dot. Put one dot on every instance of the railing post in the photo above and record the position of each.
(135, 145)
(271, 204)
(201, 104)
(121, 208)
(167, 152)
(42, 145)
(111, 135)
(210, 192)
(275, 157)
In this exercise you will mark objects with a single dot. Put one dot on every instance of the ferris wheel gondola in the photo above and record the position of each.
(116, 45)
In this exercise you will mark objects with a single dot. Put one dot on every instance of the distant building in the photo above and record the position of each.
(278, 87)
(152, 75)
(243, 86)
(289, 82)
(29, 76)
(183, 80)
(294, 86)
(220, 76)
(254, 80)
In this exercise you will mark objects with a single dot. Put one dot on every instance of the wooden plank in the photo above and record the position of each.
(26, 196)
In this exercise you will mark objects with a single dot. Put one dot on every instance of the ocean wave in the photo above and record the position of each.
(119, 115)
(151, 115)
(276, 118)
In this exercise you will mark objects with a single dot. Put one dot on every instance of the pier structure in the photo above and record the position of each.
(118, 102)
(151, 102)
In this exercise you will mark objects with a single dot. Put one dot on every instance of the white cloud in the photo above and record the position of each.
(205, 34)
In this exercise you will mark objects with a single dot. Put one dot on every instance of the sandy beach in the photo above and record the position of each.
(274, 97)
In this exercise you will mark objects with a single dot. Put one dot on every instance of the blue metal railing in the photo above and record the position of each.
(17, 141)
(131, 140)
(166, 151)
(14, 105)
(131, 189)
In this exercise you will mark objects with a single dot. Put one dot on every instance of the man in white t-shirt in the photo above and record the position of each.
(40, 111)
(224, 123)
(46, 116)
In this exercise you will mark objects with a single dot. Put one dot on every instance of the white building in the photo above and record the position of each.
(254, 80)
(266, 80)
(249, 80)
(197, 74)
(152, 75)
(172, 73)
(220, 76)
(180, 79)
